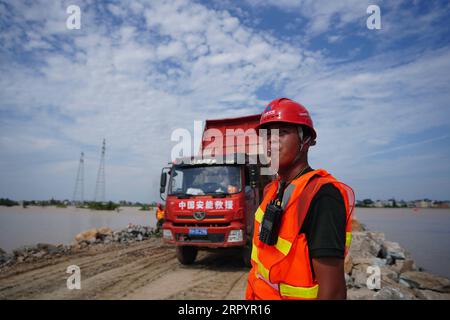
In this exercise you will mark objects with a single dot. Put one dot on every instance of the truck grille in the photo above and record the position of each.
(212, 237)
(206, 218)
(203, 225)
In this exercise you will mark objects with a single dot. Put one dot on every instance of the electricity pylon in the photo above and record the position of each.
(78, 193)
(100, 185)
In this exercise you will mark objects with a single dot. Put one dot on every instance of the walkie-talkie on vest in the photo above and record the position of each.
(270, 225)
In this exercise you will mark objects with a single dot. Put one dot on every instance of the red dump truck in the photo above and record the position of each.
(210, 203)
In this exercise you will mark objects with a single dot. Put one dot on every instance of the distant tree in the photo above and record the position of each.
(109, 206)
(145, 207)
(8, 202)
(367, 202)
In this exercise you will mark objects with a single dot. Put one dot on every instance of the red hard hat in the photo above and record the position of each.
(287, 110)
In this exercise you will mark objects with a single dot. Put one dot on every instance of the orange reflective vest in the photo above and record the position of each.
(283, 271)
(159, 214)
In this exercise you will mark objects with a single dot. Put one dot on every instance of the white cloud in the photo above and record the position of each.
(134, 83)
(322, 15)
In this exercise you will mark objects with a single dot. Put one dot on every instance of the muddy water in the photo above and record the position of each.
(425, 233)
(19, 226)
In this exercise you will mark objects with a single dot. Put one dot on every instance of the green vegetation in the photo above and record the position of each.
(93, 205)
(45, 203)
(364, 203)
(392, 203)
(110, 206)
(145, 207)
(8, 202)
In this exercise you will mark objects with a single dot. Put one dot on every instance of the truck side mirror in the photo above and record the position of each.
(163, 183)
(253, 175)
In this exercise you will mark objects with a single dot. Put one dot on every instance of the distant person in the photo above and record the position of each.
(159, 216)
(303, 224)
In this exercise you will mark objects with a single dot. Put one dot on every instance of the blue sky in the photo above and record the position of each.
(137, 70)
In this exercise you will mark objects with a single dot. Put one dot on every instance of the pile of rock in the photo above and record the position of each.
(130, 234)
(32, 253)
(4, 256)
(400, 277)
(84, 239)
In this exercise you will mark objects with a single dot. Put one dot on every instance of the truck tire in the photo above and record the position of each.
(247, 254)
(186, 255)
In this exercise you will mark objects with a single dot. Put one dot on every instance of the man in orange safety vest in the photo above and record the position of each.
(159, 216)
(302, 228)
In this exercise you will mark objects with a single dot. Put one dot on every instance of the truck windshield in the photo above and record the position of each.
(202, 180)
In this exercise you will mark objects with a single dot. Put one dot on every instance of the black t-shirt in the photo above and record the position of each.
(324, 224)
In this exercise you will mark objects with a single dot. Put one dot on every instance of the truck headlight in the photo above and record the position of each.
(236, 236)
(167, 234)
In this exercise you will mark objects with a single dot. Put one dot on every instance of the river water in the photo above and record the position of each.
(424, 233)
(19, 226)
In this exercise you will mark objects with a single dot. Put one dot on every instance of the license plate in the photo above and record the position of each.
(198, 232)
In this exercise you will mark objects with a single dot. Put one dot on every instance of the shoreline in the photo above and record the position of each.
(400, 277)
(152, 208)
(19, 227)
(423, 233)
(30, 207)
(84, 239)
(411, 208)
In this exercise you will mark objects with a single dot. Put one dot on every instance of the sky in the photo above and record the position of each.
(137, 70)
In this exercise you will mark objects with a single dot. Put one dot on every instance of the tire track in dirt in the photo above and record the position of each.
(145, 270)
(214, 276)
(37, 282)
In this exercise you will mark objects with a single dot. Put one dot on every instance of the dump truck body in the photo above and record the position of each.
(211, 198)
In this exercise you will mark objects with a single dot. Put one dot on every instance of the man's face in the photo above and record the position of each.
(288, 144)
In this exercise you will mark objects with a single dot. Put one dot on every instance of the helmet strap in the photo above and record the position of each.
(304, 143)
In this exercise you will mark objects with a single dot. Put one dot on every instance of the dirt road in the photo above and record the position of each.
(142, 270)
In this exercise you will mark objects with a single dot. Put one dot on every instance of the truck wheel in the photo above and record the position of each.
(247, 255)
(186, 255)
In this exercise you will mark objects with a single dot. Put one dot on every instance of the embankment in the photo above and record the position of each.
(134, 263)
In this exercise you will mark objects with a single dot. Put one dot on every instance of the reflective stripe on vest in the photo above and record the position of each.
(284, 289)
(348, 240)
(260, 267)
(299, 292)
(282, 245)
(291, 291)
